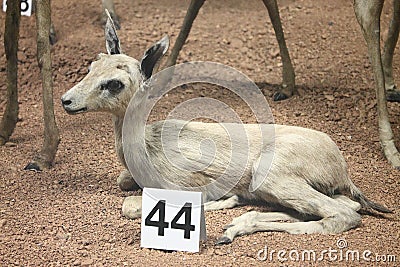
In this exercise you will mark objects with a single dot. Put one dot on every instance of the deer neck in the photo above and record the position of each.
(118, 122)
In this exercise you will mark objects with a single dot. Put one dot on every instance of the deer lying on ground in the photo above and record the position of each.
(308, 173)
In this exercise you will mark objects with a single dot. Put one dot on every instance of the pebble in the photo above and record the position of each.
(10, 144)
(87, 262)
(329, 97)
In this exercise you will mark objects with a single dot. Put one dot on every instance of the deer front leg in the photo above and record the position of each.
(288, 77)
(132, 206)
(393, 94)
(126, 182)
(368, 16)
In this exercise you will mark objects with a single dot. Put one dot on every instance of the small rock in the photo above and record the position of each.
(274, 53)
(236, 43)
(3, 223)
(87, 262)
(244, 50)
(10, 144)
(106, 238)
(21, 56)
(86, 242)
(329, 97)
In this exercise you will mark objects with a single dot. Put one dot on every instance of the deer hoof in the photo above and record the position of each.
(393, 95)
(278, 96)
(132, 207)
(33, 166)
(223, 241)
(227, 226)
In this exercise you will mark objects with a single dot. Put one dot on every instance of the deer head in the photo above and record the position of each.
(113, 78)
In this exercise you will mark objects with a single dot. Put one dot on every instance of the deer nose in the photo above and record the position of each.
(66, 102)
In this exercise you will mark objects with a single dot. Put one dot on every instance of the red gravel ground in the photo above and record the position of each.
(70, 215)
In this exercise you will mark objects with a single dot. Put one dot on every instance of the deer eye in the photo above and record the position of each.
(114, 86)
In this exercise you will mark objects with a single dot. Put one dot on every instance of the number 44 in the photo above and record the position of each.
(26, 7)
(162, 224)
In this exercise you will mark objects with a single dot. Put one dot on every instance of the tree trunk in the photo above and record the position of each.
(45, 157)
(11, 36)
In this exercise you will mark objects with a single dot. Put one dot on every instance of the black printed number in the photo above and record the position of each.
(161, 224)
(24, 5)
(187, 227)
(186, 210)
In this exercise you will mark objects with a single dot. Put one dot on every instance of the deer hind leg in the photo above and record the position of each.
(341, 199)
(275, 216)
(392, 93)
(227, 203)
(252, 216)
(288, 76)
(333, 215)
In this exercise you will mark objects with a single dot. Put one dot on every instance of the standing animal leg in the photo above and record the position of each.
(288, 76)
(53, 34)
(393, 94)
(11, 35)
(301, 197)
(44, 159)
(191, 15)
(368, 16)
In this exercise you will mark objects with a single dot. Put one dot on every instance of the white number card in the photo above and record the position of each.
(26, 7)
(172, 220)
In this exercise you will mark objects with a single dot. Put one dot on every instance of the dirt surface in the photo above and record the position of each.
(70, 215)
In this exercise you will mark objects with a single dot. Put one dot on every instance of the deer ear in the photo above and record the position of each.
(112, 40)
(153, 55)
